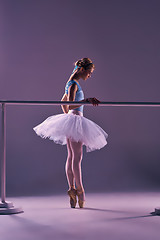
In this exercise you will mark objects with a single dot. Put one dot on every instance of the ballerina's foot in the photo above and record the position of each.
(72, 194)
(81, 197)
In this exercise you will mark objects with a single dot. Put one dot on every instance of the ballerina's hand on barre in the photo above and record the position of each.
(94, 101)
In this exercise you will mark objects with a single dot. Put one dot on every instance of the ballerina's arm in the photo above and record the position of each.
(64, 107)
(71, 97)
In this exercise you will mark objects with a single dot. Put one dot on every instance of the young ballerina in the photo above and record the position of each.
(73, 129)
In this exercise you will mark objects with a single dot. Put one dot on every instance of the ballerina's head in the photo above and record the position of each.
(83, 69)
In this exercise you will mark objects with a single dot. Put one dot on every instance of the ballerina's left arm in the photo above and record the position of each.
(70, 97)
(66, 108)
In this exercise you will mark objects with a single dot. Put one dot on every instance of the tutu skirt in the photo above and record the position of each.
(75, 127)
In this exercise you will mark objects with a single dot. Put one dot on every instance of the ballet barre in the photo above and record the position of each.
(108, 104)
(8, 207)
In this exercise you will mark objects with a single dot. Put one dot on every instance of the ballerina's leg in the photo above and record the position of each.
(77, 152)
(68, 167)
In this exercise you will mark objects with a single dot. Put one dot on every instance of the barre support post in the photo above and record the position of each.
(3, 159)
(5, 207)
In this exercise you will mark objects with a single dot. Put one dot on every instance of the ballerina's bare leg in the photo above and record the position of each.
(68, 166)
(77, 154)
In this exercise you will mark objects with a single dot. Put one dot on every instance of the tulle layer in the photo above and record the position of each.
(75, 127)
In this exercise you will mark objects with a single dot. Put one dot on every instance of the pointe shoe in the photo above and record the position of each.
(72, 194)
(80, 201)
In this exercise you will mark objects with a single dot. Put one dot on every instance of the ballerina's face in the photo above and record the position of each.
(87, 73)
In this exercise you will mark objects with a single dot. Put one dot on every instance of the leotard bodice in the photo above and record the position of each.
(79, 93)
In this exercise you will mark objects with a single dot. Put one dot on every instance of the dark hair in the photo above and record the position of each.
(86, 63)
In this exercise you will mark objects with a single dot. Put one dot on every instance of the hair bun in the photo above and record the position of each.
(86, 63)
(79, 63)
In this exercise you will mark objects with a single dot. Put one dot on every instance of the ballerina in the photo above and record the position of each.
(74, 130)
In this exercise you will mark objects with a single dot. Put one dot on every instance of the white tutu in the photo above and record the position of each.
(75, 127)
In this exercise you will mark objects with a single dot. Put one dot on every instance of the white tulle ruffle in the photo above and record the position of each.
(75, 127)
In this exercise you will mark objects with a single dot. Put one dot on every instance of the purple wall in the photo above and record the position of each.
(40, 40)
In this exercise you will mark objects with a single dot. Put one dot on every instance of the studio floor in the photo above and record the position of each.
(108, 216)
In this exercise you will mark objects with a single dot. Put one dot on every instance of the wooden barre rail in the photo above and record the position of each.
(135, 104)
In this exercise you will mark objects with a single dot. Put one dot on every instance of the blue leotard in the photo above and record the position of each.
(79, 94)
